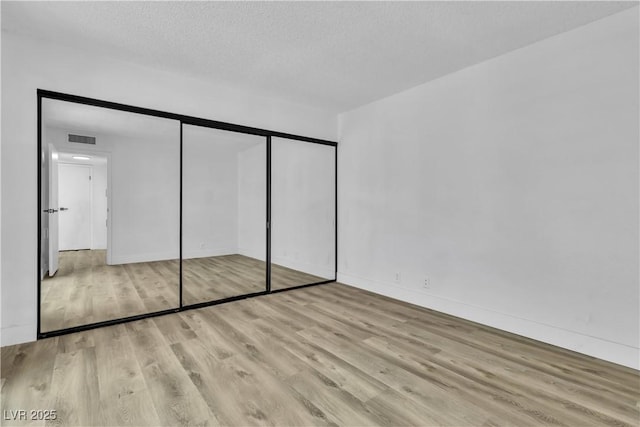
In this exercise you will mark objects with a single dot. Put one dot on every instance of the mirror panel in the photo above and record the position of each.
(302, 213)
(223, 214)
(110, 236)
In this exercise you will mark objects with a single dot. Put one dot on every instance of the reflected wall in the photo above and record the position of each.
(302, 213)
(223, 214)
(110, 194)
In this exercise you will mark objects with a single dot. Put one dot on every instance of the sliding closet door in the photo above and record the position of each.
(110, 192)
(223, 214)
(302, 213)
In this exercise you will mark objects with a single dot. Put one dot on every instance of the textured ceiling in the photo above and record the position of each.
(334, 55)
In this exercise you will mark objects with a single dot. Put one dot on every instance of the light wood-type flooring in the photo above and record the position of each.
(87, 290)
(324, 355)
(214, 278)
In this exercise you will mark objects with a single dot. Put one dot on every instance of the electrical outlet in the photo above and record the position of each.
(397, 277)
(427, 283)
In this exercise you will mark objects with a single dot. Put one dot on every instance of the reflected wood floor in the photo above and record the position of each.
(214, 278)
(325, 355)
(87, 290)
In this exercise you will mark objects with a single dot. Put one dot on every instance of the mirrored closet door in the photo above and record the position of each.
(144, 212)
(223, 214)
(302, 213)
(109, 220)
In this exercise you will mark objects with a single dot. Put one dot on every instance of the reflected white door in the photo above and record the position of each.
(74, 201)
(53, 217)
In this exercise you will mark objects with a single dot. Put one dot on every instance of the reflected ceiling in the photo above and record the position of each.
(91, 121)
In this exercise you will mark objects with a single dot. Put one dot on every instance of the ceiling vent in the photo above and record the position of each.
(82, 139)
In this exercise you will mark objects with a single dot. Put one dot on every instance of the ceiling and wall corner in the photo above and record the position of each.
(331, 55)
(286, 66)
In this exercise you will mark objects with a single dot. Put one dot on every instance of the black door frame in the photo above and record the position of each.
(183, 120)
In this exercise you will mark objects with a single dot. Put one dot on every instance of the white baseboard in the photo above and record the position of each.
(306, 267)
(618, 353)
(205, 253)
(256, 254)
(18, 334)
(130, 259)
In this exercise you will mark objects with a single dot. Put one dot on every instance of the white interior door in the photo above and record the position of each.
(74, 201)
(44, 213)
(54, 216)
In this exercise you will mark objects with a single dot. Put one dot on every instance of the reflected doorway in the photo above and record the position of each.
(77, 231)
(191, 213)
(110, 193)
(74, 213)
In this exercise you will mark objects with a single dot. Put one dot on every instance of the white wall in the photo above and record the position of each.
(512, 186)
(28, 64)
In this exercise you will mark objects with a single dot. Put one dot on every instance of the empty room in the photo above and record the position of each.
(320, 213)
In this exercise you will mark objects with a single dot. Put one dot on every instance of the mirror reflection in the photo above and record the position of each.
(110, 189)
(223, 214)
(302, 213)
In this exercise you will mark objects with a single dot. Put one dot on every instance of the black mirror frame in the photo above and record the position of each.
(189, 120)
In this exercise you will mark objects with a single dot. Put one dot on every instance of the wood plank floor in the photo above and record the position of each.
(87, 290)
(326, 355)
